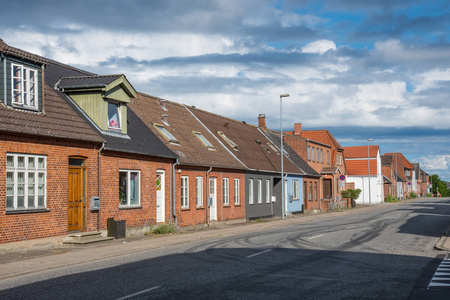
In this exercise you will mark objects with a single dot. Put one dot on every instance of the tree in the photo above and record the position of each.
(439, 185)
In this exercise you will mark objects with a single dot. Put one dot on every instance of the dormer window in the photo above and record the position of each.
(229, 142)
(203, 140)
(114, 116)
(167, 135)
(24, 86)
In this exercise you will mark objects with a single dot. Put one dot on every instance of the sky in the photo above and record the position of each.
(361, 69)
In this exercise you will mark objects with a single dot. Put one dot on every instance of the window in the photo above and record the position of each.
(310, 192)
(313, 153)
(184, 191)
(267, 191)
(226, 191)
(129, 188)
(203, 140)
(321, 155)
(309, 153)
(25, 181)
(317, 155)
(259, 191)
(237, 199)
(315, 191)
(295, 189)
(250, 191)
(328, 157)
(24, 86)
(229, 142)
(113, 115)
(167, 135)
(199, 191)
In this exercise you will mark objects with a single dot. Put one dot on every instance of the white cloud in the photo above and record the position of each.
(435, 162)
(320, 47)
(427, 80)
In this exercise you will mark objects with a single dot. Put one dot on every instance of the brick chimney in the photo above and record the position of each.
(164, 119)
(297, 128)
(262, 121)
(163, 104)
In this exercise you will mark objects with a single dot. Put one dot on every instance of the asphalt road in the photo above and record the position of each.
(376, 254)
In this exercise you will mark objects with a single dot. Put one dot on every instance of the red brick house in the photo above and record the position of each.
(209, 181)
(406, 173)
(69, 140)
(325, 155)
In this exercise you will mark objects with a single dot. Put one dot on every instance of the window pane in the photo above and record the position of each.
(9, 177)
(113, 115)
(20, 201)
(30, 162)
(21, 162)
(41, 200)
(41, 162)
(123, 188)
(134, 188)
(10, 190)
(30, 201)
(21, 177)
(10, 161)
(9, 201)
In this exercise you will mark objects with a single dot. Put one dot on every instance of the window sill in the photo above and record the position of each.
(129, 207)
(26, 211)
(199, 207)
(237, 205)
(185, 208)
(226, 205)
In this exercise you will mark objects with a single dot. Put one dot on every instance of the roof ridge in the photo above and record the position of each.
(222, 117)
(79, 77)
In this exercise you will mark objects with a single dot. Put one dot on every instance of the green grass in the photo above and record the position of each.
(163, 229)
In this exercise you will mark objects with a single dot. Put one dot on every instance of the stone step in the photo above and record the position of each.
(84, 238)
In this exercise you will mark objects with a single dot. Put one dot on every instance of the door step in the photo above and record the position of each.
(85, 238)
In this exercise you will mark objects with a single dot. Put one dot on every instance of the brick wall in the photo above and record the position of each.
(32, 225)
(194, 215)
(145, 213)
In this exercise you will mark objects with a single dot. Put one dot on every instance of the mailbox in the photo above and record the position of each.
(95, 203)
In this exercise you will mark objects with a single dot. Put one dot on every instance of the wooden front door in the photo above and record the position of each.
(76, 198)
(327, 189)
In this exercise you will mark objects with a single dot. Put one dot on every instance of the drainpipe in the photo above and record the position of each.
(174, 213)
(207, 193)
(99, 172)
(4, 78)
(320, 198)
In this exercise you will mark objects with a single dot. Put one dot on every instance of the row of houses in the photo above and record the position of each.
(79, 148)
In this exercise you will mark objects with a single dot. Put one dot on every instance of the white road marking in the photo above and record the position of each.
(442, 274)
(139, 293)
(350, 227)
(259, 253)
(314, 237)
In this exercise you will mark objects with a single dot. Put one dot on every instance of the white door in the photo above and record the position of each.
(213, 195)
(160, 198)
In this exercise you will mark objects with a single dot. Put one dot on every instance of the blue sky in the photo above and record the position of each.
(362, 69)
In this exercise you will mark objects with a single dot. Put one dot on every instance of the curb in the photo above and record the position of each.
(443, 244)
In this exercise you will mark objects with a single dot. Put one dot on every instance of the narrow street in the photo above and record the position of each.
(382, 253)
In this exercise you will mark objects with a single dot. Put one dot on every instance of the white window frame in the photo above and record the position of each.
(295, 193)
(119, 116)
(267, 191)
(309, 153)
(328, 157)
(237, 196)
(226, 191)
(259, 191)
(321, 156)
(36, 189)
(25, 90)
(229, 142)
(199, 191)
(250, 191)
(128, 185)
(184, 191)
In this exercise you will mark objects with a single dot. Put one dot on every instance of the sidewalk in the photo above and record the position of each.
(35, 260)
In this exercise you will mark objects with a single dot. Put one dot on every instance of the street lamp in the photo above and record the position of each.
(282, 153)
(368, 165)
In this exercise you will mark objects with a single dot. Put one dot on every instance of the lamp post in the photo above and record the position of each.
(282, 153)
(368, 165)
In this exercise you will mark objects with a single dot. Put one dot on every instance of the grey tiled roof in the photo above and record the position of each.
(86, 81)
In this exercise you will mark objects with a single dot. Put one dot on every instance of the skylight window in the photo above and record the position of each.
(203, 140)
(167, 135)
(230, 142)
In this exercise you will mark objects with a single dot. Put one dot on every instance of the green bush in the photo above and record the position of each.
(412, 195)
(391, 198)
(352, 194)
(429, 195)
(163, 229)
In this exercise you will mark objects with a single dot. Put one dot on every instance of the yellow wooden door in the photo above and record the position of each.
(75, 199)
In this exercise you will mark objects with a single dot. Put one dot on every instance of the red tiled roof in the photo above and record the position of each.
(361, 168)
(321, 136)
(398, 158)
(361, 151)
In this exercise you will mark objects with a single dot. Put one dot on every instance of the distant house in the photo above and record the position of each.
(301, 200)
(406, 174)
(365, 171)
(326, 156)
(261, 157)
